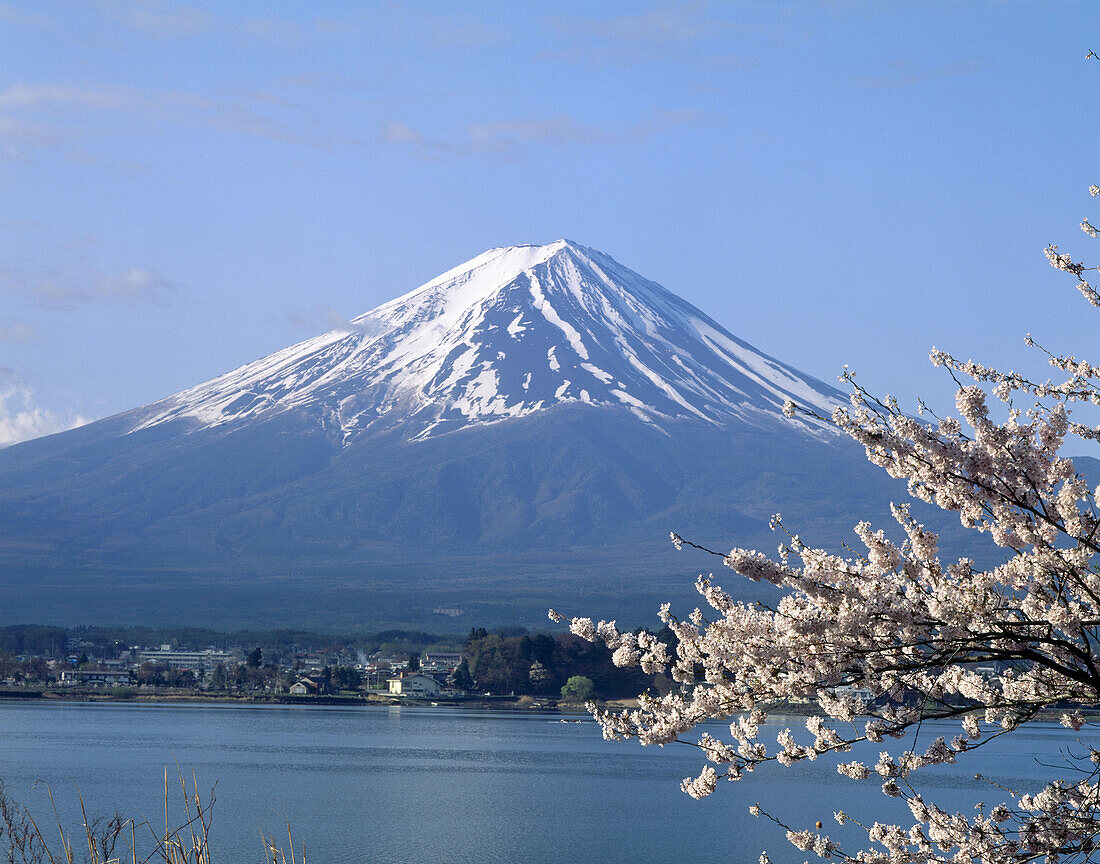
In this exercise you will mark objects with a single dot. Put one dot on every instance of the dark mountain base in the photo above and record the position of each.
(275, 524)
(374, 600)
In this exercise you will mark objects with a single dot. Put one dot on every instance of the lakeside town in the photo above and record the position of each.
(505, 667)
(508, 665)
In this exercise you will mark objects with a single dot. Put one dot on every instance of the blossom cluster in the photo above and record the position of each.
(896, 634)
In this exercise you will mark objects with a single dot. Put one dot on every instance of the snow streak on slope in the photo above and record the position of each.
(513, 331)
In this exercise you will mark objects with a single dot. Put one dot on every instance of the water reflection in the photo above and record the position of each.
(447, 785)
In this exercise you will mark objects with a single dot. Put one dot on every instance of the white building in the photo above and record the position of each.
(94, 677)
(204, 661)
(417, 686)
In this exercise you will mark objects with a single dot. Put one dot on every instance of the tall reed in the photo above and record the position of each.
(184, 838)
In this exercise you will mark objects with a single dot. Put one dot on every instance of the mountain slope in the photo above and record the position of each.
(522, 431)
(514, 331)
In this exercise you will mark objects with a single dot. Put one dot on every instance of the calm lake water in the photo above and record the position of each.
(443, 785)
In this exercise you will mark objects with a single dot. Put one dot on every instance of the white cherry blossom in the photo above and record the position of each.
(897, 634)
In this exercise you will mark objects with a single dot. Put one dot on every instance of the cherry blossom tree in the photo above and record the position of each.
(917, 636)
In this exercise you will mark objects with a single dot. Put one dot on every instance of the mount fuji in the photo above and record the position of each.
(522, 431)
(515, 331)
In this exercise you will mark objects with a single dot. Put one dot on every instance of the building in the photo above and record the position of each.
(416, 686)
(442, 659)
(308, 687)
(197, 661)
(93, 678)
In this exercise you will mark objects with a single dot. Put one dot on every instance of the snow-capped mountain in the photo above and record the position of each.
(515, 330)
(520, 432)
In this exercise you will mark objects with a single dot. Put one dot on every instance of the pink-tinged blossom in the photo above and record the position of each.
(803, 840)
(895, 633)
(855, 770)
(584, 628)
(703, 785)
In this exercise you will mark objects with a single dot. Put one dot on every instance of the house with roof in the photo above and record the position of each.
(308, 686)
(417, 686)
(447, 660)
(94, 678)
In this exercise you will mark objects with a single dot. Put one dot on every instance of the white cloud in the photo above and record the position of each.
(135, 283)
(22, 420)
(18, 137)
(505, 134)
(18, 331)
(163, 19)
(327, 319)
(36, 116)
(75, 286)
(660, 26)
(508, 138)
(402, 133)
(10, 15)
(45, 95)
(28, 114)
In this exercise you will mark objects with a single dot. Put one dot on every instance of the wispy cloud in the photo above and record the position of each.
(18, 138)
(455, 31)
(905, 72)
(21, 419)
(661, 25)
(317, 318)
(29, 114)
(45, 95)
(35, 116)
(18, 223)
(18, 331)
(506, 135)
(324, 319)
(81, 285)
(10, 15)
(402, 133)
(391, 22)
(658, 31)
(507, 139)
(162, 19)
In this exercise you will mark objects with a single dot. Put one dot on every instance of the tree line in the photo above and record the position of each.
(542, 664)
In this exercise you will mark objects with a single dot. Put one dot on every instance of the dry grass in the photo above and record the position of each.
(183, 839)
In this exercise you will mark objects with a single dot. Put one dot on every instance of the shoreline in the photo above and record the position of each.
(509, 703)
(482, 703)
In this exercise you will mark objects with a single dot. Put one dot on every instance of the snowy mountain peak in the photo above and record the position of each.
(516, 330)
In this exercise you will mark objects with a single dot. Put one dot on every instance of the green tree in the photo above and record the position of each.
(255, 658)
(578, 689)
(496, 665)
(346, 678)
(218, 679)
(461, 678)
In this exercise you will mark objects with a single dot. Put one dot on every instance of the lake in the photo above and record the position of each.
(448, 785)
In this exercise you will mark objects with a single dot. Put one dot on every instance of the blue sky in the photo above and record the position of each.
(186, 187)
